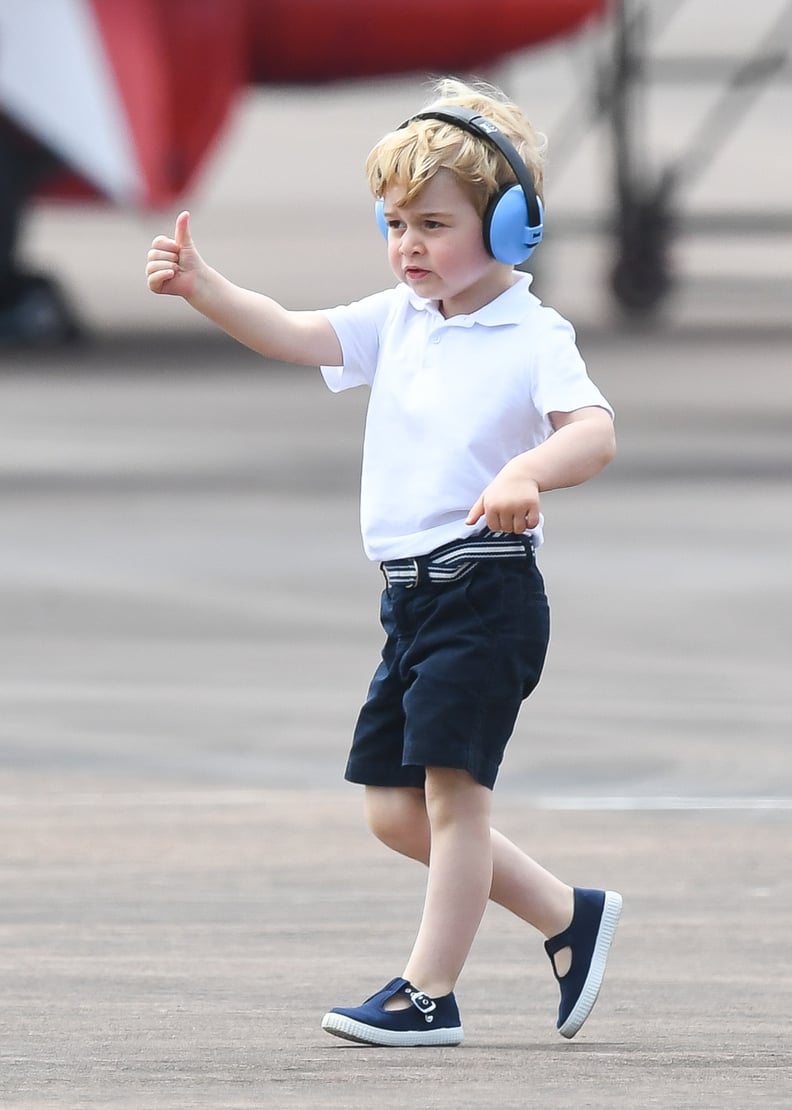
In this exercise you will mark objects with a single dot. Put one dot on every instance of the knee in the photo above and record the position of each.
(453, 797)
(397, 817)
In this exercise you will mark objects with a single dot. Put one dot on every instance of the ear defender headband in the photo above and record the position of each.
(514, 220)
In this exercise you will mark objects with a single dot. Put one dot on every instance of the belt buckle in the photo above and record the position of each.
(398, 577)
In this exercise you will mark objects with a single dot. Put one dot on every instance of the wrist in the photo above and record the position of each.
(522, 469)
(203, 295)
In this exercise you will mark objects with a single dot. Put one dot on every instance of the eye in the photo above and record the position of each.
(433, 225)
(395, 225)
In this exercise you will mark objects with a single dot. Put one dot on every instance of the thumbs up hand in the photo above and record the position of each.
(174, 265)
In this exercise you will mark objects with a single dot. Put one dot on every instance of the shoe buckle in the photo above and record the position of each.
(422, 1002)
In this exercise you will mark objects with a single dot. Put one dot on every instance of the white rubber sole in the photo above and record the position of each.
(351, 1030)
(611, 912)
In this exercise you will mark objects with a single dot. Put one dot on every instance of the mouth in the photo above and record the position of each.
(415, 273)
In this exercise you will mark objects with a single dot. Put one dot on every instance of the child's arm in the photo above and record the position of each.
(582, 443)
(175, 267)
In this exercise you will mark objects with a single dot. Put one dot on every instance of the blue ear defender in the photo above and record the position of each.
(506, 234)
(513, 223)
(379, 212)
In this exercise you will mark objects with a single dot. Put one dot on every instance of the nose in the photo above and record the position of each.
(410, 242)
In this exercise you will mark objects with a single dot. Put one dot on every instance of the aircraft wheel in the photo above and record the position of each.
(641, 277)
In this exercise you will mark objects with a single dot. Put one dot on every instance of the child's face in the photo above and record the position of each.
(435, 245)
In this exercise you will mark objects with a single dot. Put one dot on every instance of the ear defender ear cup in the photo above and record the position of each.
(508, 235)
(379, 212)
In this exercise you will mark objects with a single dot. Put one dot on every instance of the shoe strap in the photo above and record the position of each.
(422, 1002)
(554, 945)
(559, 941)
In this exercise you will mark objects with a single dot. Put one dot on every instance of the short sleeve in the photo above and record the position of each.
(358, 326)
(560, 379)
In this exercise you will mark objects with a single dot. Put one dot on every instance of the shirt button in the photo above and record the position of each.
(436, 339)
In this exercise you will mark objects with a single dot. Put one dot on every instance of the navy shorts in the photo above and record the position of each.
(459, 659)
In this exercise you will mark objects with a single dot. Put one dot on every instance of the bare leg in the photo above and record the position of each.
(459, 881)
(400, 817)
(522, 885)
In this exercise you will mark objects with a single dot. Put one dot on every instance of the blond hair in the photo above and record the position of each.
(410, 156)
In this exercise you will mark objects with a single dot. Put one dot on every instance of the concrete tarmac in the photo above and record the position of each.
(188, 627)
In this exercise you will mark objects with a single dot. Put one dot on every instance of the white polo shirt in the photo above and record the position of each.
(452, 401)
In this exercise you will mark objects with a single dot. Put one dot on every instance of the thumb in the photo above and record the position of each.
(182, 236)
(476, 512)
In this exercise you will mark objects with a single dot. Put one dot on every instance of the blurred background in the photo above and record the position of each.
(668, 181)
(155, 625)
(188, 622)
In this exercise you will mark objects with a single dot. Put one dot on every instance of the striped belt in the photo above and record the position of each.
(455, 560)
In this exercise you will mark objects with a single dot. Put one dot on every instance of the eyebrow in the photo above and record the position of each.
(421, 213)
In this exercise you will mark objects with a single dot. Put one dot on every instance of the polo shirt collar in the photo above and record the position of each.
(508, 308)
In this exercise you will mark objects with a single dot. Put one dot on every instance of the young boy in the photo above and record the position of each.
(480, 402)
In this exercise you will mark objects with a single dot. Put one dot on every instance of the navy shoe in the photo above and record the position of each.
(589, 938)
(426, 1021)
